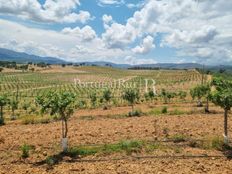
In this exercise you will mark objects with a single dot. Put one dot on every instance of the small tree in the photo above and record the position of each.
(223, 98)
(150, 95)
(25, 106)
(14, 106)
(93, 98)
(107, 97)
(170, 95)
(61, 103)
(199, 92)
(164, 95)
(3, 102)
(131, 96)
(182, 95)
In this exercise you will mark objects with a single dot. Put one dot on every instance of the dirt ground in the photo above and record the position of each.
(101, 129)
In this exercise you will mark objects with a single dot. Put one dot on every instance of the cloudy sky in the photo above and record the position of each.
(121, 31)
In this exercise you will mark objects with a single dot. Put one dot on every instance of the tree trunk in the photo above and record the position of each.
(226, 126)
(1, 112)
(64, 135)
(132, 107)
(207, 106)
(199, 103)
(66, 128)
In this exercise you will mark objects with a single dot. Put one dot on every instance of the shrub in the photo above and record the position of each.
(164, 110)
(135, 113)
(176, 112)
(2, 122)
(178, 138)
(25, 149)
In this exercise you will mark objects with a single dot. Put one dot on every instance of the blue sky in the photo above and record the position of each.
(120, 31)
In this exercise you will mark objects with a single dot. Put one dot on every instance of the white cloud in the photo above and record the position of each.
(136, 61)
(138, 5)
(202, 27)
(61, 11)
(110, 2)
(107, 20)
(57, 44)
(119, 36)
(145, 47)
(84, 34)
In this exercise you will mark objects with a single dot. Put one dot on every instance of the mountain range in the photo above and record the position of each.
(21, 57)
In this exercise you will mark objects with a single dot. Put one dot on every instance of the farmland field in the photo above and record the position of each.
(167, 136)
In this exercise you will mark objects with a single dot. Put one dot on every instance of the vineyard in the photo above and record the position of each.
(123, 121)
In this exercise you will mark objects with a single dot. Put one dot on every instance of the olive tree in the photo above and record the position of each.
(3, 102)
(222, 97)
(131, 96)
(62, 104)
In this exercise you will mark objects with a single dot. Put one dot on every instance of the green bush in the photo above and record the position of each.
(135, 113)
(178, 138)
(164, 110)
(2, 121)
(177, 112)
(25, 149)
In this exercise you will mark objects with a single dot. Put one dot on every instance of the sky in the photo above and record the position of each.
(120, 31)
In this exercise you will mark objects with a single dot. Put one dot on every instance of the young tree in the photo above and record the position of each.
(207, 91)
(14, 106)
(199, 92)
(131, 96)
(93, 98)
(222, 97)
(150, 96)
(164, 95)
(170, 95)
(107, 97)
(182, 95)
(61, 103)
(3, 102)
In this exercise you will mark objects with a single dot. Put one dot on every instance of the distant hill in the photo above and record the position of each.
(19, 57)
(170, 66)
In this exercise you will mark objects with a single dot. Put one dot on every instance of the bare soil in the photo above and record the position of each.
(100, 130)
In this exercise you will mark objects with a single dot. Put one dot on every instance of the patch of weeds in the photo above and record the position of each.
(35, 120)
(131, 146)
(216, 143)
(178, 138)
(150, 147)
(176, 112)
(177, 149)
(164, 110)
(50, 160)
(88, 117)
(155, 112)
(135, 113)
(25, 149)
(82, 151)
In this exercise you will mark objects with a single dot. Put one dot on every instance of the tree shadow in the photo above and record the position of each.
(227, 151)
(53, 160)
